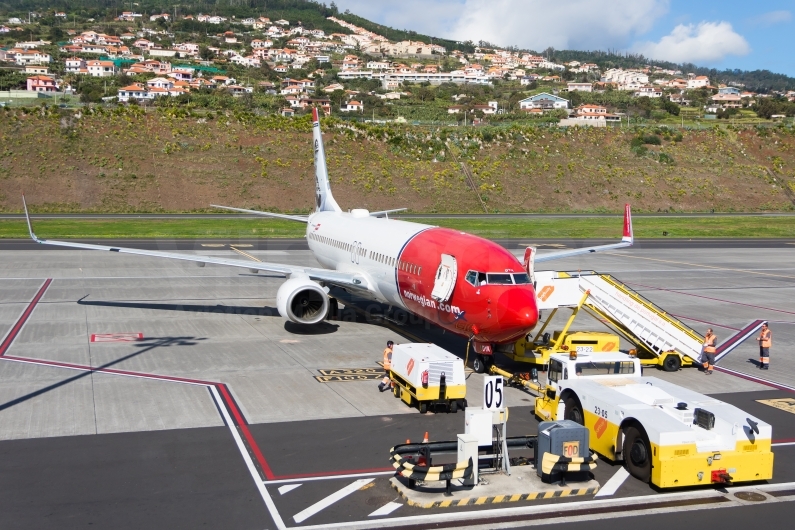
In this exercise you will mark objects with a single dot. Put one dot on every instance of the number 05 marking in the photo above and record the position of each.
(493, 395)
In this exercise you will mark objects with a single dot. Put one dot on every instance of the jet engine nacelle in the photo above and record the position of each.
(302, 301)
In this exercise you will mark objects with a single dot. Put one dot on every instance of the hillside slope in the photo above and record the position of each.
(126, 160)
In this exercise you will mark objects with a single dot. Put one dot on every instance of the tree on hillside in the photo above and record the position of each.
(670, 107)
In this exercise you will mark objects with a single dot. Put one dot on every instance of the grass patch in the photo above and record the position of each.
(153, 228)
(644, 227)
(530, 228)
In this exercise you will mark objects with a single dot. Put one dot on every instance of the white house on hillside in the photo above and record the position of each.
(579, 87)
(352, 106)
(544, 101)
(698, 81)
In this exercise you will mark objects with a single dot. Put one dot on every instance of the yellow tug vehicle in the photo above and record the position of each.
(665, 434)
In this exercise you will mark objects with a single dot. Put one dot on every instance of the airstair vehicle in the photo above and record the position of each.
(660, 339)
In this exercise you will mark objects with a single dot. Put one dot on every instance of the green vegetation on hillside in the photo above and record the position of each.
(756, 80)
(128, 159)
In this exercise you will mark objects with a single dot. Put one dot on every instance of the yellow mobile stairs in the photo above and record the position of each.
(659, 338)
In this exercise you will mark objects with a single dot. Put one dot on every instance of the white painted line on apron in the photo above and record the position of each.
(328, 477)
(289, 487)
(612, 485)
(386, 509)
(263, 491)
(331, 499)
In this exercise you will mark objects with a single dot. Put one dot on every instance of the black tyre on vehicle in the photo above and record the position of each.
(672, 362)
(423, 408)
(454, 406)
(573, 410)
(479, 364)
(396, 391)
(637, 454)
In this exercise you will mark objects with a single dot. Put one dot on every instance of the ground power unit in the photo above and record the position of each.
(427, 377)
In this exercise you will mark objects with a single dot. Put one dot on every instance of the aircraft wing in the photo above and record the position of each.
(342, 279)
(626, 241)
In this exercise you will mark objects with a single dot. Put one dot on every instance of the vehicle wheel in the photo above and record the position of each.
(479, 364)
(672, 363)
(637, 454)
(333, 309)
(573, 410)
(396, 391)
(454, 406)
(423, 408)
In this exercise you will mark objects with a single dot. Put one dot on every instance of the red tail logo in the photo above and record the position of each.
(628, 235)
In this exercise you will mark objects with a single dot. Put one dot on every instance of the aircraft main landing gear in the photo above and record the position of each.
(481, 363)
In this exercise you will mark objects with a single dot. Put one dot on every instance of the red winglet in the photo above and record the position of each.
(315, 118)
(628, 234)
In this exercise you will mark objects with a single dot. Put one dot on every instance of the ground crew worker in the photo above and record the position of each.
(765, 342)
(709, 352)
(386, 382)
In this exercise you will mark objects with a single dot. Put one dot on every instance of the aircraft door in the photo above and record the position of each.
(445, 279)
(529, 264)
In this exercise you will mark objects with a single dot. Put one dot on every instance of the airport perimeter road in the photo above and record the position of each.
(513, 244)
(395, 216)
(145, 393)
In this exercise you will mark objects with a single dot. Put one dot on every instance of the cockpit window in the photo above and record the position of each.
(499, 279)
(520, 279)
(496, 278)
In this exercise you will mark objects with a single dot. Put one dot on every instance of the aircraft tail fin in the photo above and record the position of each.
(324, 200)
(629, 234)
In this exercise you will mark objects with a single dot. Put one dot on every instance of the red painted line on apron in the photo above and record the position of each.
(755, 379)
(242, 424)
(335, 473)
(711, 298)
(715, 324)
(25, 315)
(86, 368)
(784, 441)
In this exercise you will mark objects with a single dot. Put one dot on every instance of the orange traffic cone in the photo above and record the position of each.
(425, 439)
(408, 441)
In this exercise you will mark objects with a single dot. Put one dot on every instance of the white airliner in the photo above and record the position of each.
(463, 283)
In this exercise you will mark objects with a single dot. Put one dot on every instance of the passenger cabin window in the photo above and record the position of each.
(555, 372)
(605, 368)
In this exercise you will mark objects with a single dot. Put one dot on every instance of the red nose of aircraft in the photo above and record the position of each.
(517, 313)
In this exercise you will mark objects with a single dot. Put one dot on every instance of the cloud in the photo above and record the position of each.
(533, 24)
(771, 19)
(707, 42)
(430, 17)
(565, 24)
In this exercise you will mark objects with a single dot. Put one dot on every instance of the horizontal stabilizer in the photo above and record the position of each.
(387, 212)
(627, 240)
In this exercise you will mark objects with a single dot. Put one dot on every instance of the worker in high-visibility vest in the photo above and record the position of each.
(386, 382)
(765, 342)
(709, 352)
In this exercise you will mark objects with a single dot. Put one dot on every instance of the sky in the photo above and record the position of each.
(719, 34)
